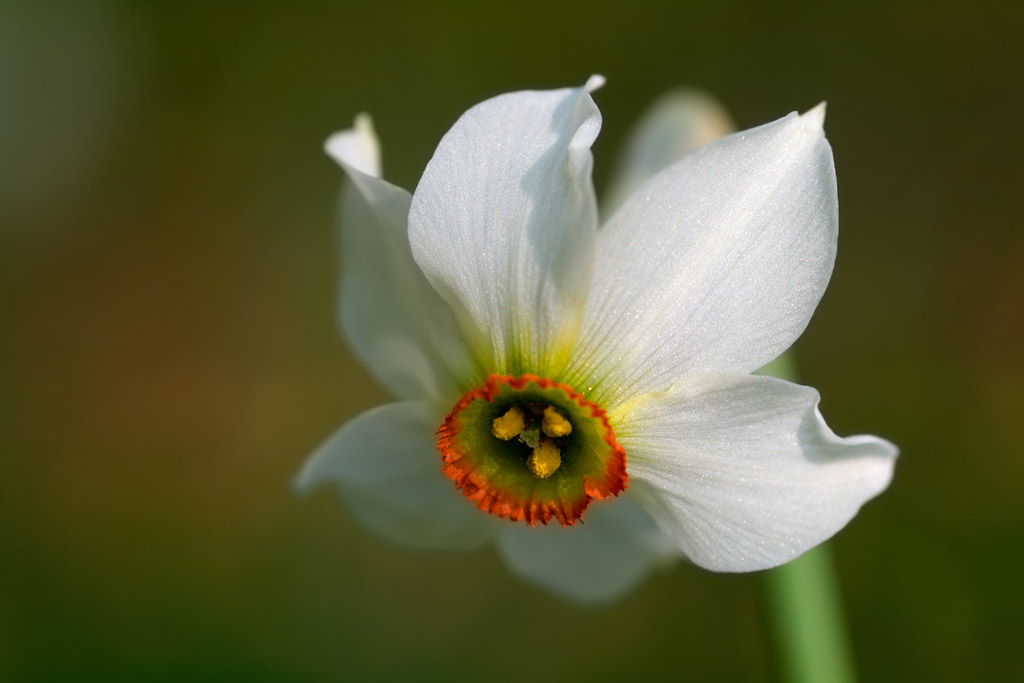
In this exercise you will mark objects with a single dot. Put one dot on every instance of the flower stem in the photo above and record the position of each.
(805, 614)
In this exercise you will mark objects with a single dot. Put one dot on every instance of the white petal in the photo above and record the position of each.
(503, 221)
(743, 472)
(397, 324)
(678, 123)
(615, 548)
(386, 464)
(715, 264)
(357, 148)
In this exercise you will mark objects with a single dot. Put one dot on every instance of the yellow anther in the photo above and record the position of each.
(554, 425)
(509, 425)
(544, 460)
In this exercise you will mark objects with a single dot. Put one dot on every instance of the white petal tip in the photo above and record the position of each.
(311, 476)
(594, 82)
(303, 484)
(816, 117)
(356, 147)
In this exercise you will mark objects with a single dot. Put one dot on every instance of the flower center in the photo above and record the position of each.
(538, 426)
(529, 448)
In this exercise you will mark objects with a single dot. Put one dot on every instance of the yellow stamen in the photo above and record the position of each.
(509, 425)
(544, 460)
(554, 425)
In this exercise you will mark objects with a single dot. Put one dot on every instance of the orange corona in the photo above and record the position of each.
(530, 448)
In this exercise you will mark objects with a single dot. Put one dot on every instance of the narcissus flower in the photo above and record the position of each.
(583, 396)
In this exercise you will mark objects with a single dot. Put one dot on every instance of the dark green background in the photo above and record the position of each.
(169, 356)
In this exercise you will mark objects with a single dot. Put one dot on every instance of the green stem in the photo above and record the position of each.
(806, 617)
(803, 604)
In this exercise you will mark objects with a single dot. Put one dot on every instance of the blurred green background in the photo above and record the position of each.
(169, 355)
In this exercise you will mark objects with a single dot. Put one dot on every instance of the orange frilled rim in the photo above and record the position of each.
(493, 477)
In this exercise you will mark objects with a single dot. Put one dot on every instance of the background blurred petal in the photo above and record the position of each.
(677, 123)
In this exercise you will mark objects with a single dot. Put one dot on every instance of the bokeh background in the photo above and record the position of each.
(169, 354)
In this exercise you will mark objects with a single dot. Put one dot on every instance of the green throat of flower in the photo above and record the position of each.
(529, 448)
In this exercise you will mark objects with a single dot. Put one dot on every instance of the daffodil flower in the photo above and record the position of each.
(582, 396)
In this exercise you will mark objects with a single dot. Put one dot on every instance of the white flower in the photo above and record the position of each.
(489, 301)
